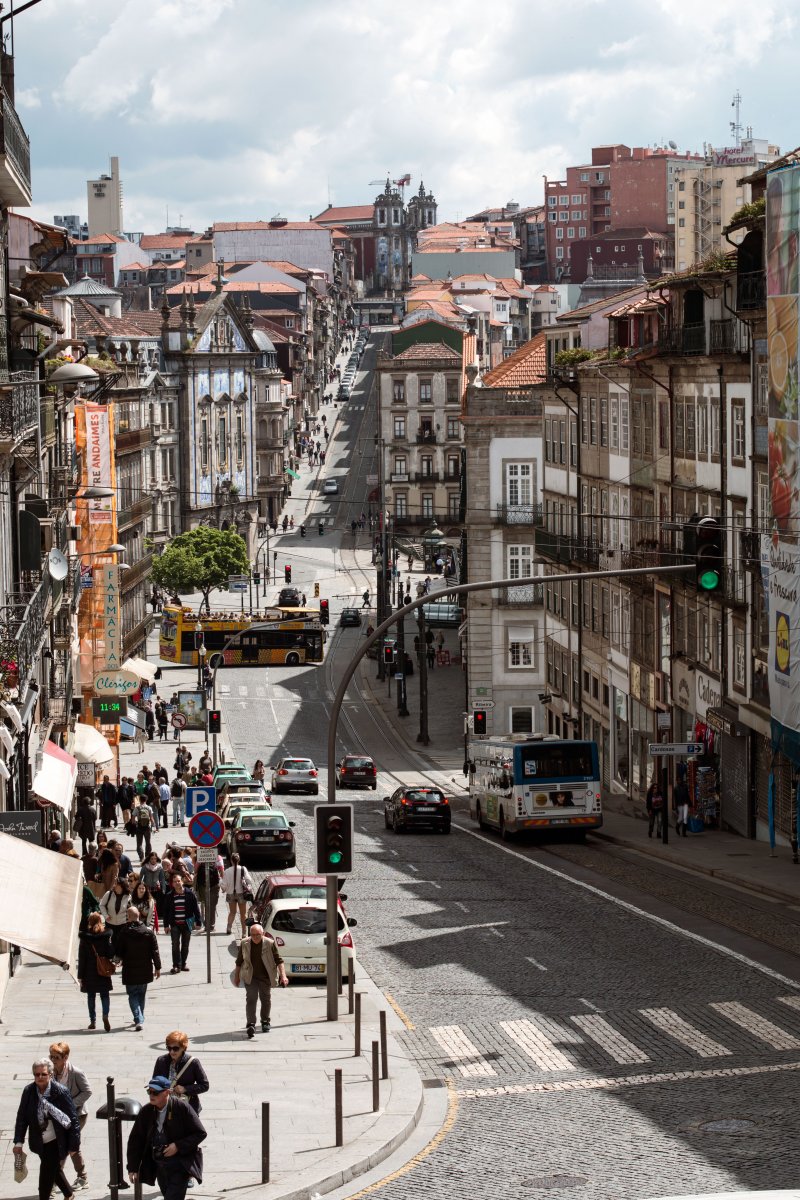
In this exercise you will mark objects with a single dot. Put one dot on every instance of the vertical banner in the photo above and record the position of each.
(112, 632)
(781, 546)
(98, 460)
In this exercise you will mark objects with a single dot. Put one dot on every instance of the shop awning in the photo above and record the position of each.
(140, 667)
(89, 745)
(40, 900)
(55, 779)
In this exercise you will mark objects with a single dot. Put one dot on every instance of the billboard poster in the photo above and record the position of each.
(193, 707)
(780, 552)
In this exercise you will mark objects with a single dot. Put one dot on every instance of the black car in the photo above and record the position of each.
(264, 834)
(411, 806)
(350, 616)
(289, 597)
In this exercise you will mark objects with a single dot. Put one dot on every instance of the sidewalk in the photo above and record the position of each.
(716, 853)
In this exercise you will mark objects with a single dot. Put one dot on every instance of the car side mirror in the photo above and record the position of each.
(292, 824)
(386, 799)
(351, 921)
(342, 896)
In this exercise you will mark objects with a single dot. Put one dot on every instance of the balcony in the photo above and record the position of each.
(427, 437)
(751, 291)
(636, 560)
(735, 585)
(519, 514)
(136, 573)
(134, 511)
(566, 549)
(15, 157)
(723, 337)
(523, 595)
(132, 439)
(134, 639)
(426, 476)
(19, 408)
(22, 627)
(452, 474)
(686, 339)
(399, 477)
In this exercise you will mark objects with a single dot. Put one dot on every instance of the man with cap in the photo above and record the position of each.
(164, 1142)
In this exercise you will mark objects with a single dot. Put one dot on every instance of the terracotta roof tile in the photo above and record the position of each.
(523, 368)
(353, 212)
(163, 241)
(429, 350)
(233, 226)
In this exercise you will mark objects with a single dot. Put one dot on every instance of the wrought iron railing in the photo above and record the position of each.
(19, 406)
(527, 595)
(520, 514)
(22, 626)
(14, 141)
(751, 290)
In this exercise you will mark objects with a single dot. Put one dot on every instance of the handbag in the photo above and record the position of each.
(105, 966)
(20, 1166)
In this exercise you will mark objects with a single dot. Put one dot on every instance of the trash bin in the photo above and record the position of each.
(125, 1109)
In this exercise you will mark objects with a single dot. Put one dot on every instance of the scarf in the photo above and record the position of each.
(48, 1112)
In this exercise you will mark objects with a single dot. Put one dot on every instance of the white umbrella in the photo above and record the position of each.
(89, 745)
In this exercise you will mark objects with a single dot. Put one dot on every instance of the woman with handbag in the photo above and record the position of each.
(238, 888)
(95, 948)
(114, 907)
(152, 875)
(183, 1070)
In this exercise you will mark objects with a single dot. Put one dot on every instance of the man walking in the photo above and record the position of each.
(680, 803)
(108, 803)
(143, 821)
(85, 825)
(137, 946)
(260, 967)
(163, 799)
(178, 794)
(181, 914)
(164, 1142)
(365, 599)
(213, 871)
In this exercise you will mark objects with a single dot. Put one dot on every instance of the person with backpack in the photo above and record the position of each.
(654, 802)
(143, 821)
(178, 793)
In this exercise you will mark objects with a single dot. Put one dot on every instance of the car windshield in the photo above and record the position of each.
(297, 764)
(358, 762)
(256, 820)
(427, 797)
(301, 920)
(298, 892)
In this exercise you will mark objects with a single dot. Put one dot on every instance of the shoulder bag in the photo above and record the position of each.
(105, 966)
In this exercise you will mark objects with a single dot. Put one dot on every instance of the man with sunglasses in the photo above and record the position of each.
(164, 1142)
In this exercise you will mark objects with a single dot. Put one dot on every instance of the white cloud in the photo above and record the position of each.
(27, 98)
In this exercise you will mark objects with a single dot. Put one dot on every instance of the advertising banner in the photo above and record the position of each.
(780, 551)
(112, 629)
(98, 460)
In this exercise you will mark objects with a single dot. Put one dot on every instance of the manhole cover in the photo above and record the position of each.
(727, 1126)
(553, 1182)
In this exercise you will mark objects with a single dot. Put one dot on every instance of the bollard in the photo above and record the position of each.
(384, 1046)
(113, 1161)
(351, 983)
(264, 1142)
(376, 1083)
(357, 1047)
(137, 1188)
(337, 1094)
(338, 969)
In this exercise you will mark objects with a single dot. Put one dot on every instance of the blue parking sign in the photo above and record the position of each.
(200, 799)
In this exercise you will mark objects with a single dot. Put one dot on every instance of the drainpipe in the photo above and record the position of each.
(575, 412)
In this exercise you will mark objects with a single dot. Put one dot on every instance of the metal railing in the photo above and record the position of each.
(19, 406)
(751, 290)
(520, 514)
(426, 476)
(427, 439)
(14, 141)
(22, 625)
(524, 595)
(563, 548)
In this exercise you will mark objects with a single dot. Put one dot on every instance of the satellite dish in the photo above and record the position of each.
(57, 565)
(673, 145)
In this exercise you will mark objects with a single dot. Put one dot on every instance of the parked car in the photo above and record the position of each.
(350, 616)
(344, 392)
(233, 805)
(298, 930)
(330, 487)
(237, 772)
(290, 887)
(414, 805)
(442, 616)
(289, 597)
(262, 833)
(356, 770)
(295, 775)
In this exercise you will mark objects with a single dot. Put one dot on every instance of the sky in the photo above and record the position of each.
(245, 109)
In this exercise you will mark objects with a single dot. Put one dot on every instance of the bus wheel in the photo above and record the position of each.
(293, 660)
(504, 834)
(479, 815)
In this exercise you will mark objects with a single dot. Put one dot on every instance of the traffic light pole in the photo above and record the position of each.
(461, 589)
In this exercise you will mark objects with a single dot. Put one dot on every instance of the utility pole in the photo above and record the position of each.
(422, 736)
(402, 704)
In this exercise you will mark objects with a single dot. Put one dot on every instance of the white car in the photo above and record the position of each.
(298, 929)
(330, 487)
(295, 775)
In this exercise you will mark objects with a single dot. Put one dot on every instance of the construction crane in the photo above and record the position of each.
(402, 182)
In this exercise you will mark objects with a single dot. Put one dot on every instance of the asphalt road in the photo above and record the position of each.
(604, 1029)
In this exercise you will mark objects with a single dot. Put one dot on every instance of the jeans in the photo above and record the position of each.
(105, 1004)
(173, 1180)
(181, 936)
(136, 998)
(178, 810)
(50, 1172)
(654, 819)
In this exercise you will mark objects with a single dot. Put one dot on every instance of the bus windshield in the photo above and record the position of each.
(564, 760)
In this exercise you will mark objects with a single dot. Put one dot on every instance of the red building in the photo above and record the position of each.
(625, 252)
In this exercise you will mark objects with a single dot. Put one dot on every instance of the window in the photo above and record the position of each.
(702, 428)
(452, 466)
(737, 441)
(603, 420)
(547, 434)
(400, 464)
(452, 427)
(552, 216)
(663, 425)
(576, 216)
(563, 200)
(623, 424)
(559, 252)
(222, 441)
(715, 428)
(577, 199)
(395, 216)
(425, 391)
(559, 234)
(521, 720)
(204, 446)
(519, 484)
(381, 216)
(562, 449)
(427, 504)
(399, 429)
(593, 420)
(398, 391)
(453, 389)
(564, 217)
(240, 438)
(401, 505)
(520, 562)
(453, 506)
(573, 442)
(581, 231)
(681, 222)
(615, 422)
(691, 441)
(584, 176)
(570, 231)
(520, 646)
(551, 201)
(426, 464)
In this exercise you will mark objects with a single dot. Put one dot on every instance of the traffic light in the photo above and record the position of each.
(316, 589)
(256, 578)
(324, 614)
(287, 574)
(709, 556)
(214, 720)
(334, 838)
(479, 721)
(388, 653)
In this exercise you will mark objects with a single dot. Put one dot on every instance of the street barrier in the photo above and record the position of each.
(376, 1083)
(337, 1095)
(384, 1046)
(264, 1142)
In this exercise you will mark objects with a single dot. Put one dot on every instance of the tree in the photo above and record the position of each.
(201, 560)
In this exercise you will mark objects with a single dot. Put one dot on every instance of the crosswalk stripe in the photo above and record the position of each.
(759, 1026)
(792, 1001)
(537, 1046)
(610, 1040)
(457, 1045)
(675, 1027)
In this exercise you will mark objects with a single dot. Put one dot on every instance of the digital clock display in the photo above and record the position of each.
(109, 710)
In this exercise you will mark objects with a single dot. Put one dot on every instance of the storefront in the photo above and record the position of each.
(737, 810)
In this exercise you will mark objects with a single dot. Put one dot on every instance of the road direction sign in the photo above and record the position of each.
(200, 799)
(207, 854)
(206, 829)
(675, 749)
(238, 583)
(483, 703)
(179, 720)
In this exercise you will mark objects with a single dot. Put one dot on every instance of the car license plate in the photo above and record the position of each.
(560, 821)
(264, 837)
(308, 969)
(358, 772)
(425, 808)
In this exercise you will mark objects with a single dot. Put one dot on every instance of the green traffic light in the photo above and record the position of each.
(708, 581)
(335, 857)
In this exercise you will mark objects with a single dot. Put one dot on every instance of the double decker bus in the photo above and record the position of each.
(534, 782)
(289, 637)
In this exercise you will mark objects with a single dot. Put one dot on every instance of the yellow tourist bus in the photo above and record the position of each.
(276, 637)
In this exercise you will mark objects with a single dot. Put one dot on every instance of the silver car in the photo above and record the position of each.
(295, 775)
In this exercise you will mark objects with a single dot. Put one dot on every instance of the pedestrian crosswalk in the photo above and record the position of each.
(570, 1043)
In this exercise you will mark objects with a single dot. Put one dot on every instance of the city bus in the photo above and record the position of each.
(276, 637)
(535, 782)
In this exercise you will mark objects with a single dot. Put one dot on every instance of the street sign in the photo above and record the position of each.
(116, 683)
(238, 583)
(206, 854)
(663, 720)
(179, 720)
(483, 703)
(675, 749)
(206, 829)
(399, 675)
(200, 799)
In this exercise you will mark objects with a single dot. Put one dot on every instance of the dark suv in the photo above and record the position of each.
(289, 597)
(356, 770)
(411, 806)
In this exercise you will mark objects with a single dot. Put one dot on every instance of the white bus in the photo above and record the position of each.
(534, 782)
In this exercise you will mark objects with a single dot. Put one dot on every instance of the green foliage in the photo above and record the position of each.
(749, 212)
(570, 358)
(201, 560)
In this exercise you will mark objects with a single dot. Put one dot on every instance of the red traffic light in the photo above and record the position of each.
(324, 613)
(479, 721)
(388, 653)
(287, 574)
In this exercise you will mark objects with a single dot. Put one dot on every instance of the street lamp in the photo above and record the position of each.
(431, 544)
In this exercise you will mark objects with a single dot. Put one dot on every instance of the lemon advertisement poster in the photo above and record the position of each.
(781, 544)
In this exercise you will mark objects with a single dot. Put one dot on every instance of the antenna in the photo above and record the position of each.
(57, 565)
(735, 126)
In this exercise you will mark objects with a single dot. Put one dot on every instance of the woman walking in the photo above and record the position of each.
(141, 898)
(74, 1080)
(237, 886)
(153, 877)
(114, 908)
(47, 1115)
(184, 1072)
